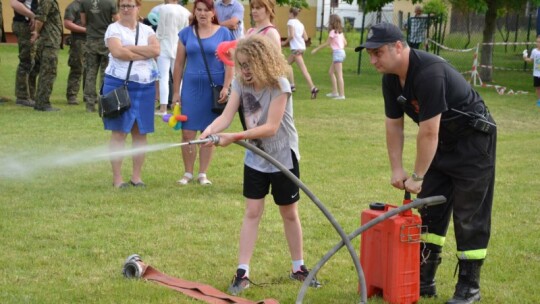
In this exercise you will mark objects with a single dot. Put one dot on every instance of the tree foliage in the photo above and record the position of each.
(377, 5)
(437, 8)
(293, 3)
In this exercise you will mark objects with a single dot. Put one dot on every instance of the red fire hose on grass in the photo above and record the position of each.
(134, 267)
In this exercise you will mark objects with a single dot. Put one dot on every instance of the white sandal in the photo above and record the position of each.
(203, 180)
(185, 179)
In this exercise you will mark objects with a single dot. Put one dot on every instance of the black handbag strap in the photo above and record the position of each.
(204, 57)
(131, 62)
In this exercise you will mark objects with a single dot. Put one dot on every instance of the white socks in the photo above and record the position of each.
(296, 265)
(245, 267)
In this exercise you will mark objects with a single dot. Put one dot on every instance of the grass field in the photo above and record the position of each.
(65, 232)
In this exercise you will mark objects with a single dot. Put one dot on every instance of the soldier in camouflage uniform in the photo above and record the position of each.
(49, 30)
(25, 78)
(96, 15)
(72, 22)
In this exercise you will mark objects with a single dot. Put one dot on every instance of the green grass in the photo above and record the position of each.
(65, 232)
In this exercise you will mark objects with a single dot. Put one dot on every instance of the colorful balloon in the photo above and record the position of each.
(172, 121)
(166, 117)
(176, 109)
(181, 118)
(175, 120)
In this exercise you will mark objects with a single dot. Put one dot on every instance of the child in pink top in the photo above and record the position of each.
(336, 40)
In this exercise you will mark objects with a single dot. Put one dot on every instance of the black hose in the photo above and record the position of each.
(344, 238)
(417, 203)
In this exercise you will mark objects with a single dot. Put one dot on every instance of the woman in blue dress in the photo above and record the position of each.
(196, 95)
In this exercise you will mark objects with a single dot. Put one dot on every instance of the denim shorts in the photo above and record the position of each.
(338, 56)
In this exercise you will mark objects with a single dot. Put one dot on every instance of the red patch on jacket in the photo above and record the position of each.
(414, 103)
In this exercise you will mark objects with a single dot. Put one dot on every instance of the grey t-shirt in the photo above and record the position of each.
(255, 105)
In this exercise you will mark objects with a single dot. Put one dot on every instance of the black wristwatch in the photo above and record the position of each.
(417, 178)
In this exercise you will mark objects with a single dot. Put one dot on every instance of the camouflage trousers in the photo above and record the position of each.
(97, 59)
(47, 58)
(25, 77)
(76, 63)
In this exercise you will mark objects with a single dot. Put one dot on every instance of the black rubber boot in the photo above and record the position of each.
(430, 258)
(468, 285)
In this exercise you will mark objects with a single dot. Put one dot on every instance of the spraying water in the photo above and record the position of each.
(23, 166)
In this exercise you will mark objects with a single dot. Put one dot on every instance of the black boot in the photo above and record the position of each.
(468, 285)
(430, 258)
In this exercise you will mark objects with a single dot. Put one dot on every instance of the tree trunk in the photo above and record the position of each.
(486, 58)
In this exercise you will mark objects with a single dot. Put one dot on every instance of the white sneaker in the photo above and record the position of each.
(160, 113)
(332, 95)
(339, 98)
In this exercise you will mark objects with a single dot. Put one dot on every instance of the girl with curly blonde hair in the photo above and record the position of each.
(263, 93)
(271, 67)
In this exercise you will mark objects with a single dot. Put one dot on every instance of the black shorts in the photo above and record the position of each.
(536, 81)
(285, 191)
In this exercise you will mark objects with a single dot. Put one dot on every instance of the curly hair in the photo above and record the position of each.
(266, 61)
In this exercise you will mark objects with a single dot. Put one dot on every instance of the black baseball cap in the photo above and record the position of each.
(379, 35)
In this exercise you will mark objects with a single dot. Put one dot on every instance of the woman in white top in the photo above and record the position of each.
(172, 18)
(296, 38)
(139, 119)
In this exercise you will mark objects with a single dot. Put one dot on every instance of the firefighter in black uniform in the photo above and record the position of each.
(455, 153)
